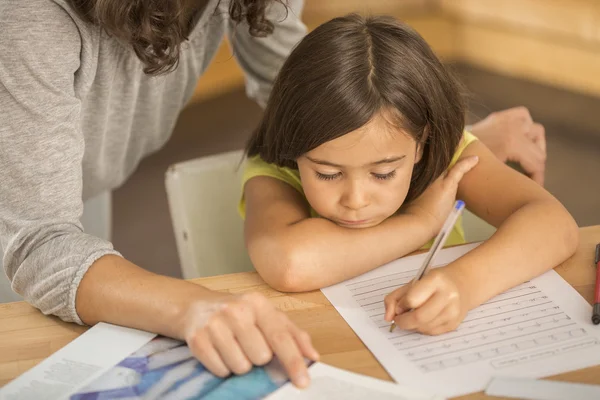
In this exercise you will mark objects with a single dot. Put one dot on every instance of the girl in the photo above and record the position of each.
(358, 160)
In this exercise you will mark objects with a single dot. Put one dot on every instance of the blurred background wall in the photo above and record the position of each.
(552, 42)
(543, 54)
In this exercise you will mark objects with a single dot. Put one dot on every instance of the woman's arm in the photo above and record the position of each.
(512, 135)
(261, 58)
(60, 269)
(226, 333)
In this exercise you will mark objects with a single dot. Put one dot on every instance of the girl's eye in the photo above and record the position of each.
(385, 177)
(328, 177)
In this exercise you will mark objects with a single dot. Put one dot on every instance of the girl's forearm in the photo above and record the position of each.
(316, 253)
(536, 238)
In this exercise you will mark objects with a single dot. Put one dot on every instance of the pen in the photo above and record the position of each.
(438, 244)
(596, 309)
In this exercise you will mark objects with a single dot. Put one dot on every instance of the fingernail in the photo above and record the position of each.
(302, 381)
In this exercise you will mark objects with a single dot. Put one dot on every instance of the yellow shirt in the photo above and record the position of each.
(255, 166)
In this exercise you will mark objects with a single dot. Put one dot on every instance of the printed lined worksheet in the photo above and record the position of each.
(536, 329)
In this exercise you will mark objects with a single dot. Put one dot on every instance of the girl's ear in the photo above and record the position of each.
(421, 144)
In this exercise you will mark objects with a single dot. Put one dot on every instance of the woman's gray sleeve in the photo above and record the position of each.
(261, 58)
(46, 252)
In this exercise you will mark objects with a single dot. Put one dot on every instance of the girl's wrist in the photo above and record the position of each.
(421, 230)
(424, 225)
(464, 283)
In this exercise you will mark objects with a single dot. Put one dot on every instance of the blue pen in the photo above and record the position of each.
(438, 243)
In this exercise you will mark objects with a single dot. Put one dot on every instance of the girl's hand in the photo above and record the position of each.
(436, 202)
(234, 333)
(431, 306)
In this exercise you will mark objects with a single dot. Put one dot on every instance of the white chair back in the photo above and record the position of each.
(203, 196)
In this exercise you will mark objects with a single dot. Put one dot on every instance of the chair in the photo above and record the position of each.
(6, 293)
(203, 195)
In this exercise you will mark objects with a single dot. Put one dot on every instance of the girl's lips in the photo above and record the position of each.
(359, 222)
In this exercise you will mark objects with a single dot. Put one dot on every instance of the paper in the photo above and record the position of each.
(328, 382)
(525, 388)
(166, 369)
(79, 362)
(111, 362)
(536, 329)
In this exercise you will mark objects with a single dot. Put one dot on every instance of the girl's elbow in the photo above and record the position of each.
(563, 231)
(571, 236)
(284, 280)
(280, 267)
(286, 276)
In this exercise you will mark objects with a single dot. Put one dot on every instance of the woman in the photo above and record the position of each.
(88, 88)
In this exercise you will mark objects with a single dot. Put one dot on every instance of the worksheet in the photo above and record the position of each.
(536, 329)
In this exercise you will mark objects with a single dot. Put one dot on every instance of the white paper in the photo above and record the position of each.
(328, 382)
(78, 363)
(536, 329)
(526, 388)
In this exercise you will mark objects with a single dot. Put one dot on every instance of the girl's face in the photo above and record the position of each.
(360, 179)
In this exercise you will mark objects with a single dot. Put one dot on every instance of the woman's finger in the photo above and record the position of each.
(532, 159)
(521, 113)
(254, 345)
(203, 349)
(279, 336)
(537, 133)
(228, 347)
(240, 319)
(305, 343)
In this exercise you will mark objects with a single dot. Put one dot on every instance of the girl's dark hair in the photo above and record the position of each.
(345, 72)
(156, 28)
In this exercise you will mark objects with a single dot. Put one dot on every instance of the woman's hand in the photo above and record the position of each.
(431, 305)
(436, 202)
(232, 334)
(512, 135)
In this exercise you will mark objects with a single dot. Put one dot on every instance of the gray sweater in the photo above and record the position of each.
(77, 114)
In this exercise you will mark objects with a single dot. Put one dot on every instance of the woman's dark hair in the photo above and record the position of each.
(156, 28)
(345, 72)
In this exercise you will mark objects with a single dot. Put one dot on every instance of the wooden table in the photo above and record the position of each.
(27, 336)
